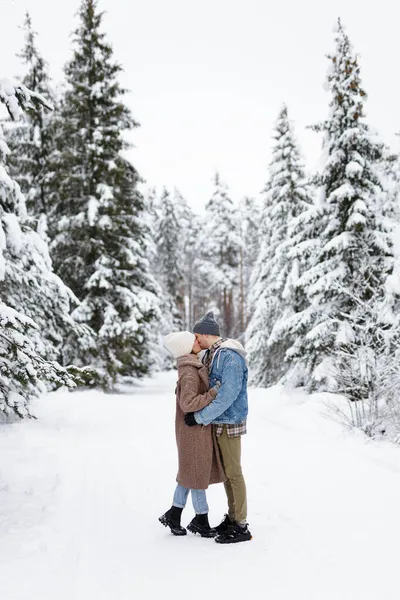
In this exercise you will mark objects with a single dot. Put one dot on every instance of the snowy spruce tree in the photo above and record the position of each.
(160, 357)
(220, 253)
(174, 246)
(96, 222)
(25, 279)
(273, 294)
(250, 216)
(194, 267)
(31, 139)
(350, 242)
(164, 254)
(169, 237)
(37, 292)
(191, 241)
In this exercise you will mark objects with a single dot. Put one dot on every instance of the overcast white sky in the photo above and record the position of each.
(207, 78)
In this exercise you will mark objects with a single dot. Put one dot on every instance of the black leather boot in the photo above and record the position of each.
(172, 519)
(226, 523)
(236, 533)
(201, 525)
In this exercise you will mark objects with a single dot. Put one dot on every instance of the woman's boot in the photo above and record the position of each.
(201, 525)
(172, 519)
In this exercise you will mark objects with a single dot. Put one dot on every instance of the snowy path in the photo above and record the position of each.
(81, 490)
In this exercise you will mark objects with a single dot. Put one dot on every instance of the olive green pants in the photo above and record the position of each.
(235, 487)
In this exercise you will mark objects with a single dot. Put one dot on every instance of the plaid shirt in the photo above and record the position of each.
(209, 354)
(232, 429)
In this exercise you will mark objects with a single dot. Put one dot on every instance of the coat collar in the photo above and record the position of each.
(191, 360)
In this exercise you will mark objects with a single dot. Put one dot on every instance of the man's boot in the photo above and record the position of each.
(223, 527)
(236, 533)
(172, 519)
(201, 525)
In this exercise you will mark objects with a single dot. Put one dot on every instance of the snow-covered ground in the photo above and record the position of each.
(81, 490)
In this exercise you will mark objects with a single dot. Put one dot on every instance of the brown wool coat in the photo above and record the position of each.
(198, 451)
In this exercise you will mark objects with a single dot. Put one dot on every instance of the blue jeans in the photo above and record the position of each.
(199, 499)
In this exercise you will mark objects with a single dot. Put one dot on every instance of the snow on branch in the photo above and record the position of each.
(18, 98)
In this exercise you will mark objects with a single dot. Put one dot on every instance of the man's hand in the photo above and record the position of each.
(190, 420)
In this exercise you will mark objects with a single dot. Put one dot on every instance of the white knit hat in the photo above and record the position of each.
(179, 343)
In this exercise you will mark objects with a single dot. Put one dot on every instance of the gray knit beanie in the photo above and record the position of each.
(207, 325)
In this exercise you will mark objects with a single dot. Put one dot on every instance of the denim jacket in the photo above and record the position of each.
(229, 368)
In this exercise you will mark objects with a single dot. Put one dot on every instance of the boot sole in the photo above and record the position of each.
(174, 531)
(193, 529)
(227, 540)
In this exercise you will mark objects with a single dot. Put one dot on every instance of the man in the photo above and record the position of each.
(225, 360)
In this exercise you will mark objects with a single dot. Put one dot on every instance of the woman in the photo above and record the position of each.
(198, 453)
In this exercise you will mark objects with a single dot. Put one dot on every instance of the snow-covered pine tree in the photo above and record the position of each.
(161, 359)
(24, 270)
(197, 297)
(173, 263)
(351, 243)
(36, 291)
(389, 174)
(30, 139)
(200, 273)
(189, 230)
(220, 254)
(273, 294)
(96, 222)
(169, 236)
(120, 300)
(250, 217)
(151, 204)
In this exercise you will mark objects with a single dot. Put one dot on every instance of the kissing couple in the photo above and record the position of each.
(211, 412)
